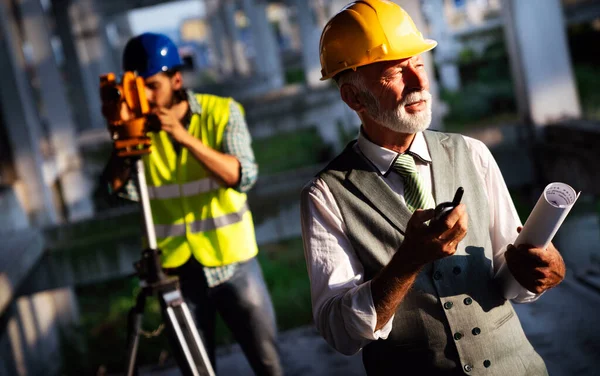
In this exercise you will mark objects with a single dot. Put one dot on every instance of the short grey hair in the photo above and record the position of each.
(352, 77)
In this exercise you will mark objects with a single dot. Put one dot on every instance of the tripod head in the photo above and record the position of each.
(149, 268)
(127, 111)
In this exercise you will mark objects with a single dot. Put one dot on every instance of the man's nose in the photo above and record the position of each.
(149, 95)
(415, 79)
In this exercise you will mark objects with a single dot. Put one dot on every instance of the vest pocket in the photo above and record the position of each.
(504, 319)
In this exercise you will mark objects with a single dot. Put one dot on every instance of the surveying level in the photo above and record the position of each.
(126, 110)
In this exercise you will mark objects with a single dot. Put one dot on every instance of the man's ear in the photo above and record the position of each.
(351, 96)
(177, 81)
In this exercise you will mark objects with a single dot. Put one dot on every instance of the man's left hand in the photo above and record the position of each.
(171, 124)
(536, 269)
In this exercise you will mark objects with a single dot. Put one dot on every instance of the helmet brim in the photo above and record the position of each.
(427, 45)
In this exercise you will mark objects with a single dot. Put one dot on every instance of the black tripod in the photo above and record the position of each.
(174, 310)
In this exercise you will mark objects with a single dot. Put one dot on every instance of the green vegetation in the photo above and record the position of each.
(287, 151)
(100, 339)
(588, 81)
(294, 76)
(486, 96)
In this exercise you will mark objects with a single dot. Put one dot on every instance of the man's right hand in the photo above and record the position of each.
(426, 243)
(422, 244)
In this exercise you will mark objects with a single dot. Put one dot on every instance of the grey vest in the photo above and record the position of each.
(454, 319)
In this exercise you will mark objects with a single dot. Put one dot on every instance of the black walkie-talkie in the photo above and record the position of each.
(443, 209)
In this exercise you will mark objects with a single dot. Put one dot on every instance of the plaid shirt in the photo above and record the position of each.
(236, 142)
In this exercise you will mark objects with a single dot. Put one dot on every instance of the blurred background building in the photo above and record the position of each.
(522, 76)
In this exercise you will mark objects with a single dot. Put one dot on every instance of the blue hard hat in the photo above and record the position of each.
(150, 53)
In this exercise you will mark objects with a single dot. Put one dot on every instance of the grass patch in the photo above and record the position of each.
(294, 76)
(100, 339)
(287, 151)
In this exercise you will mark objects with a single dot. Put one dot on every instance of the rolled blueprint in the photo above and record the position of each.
(544, 221)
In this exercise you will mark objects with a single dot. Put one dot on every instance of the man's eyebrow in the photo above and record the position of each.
(392, 70)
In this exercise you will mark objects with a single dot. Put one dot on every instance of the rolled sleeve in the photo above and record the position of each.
(238, 142)
(342, 302)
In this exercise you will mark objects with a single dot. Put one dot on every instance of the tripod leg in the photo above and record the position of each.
(196, 338)
(134, 326)
(183, 345)
(193, 358)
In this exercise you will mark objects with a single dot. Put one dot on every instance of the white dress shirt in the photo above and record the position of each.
(342, 303)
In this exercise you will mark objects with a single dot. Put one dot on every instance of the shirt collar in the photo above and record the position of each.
(383, 158)
(195, 106)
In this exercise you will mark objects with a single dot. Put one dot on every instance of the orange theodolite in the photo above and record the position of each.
(126, 109)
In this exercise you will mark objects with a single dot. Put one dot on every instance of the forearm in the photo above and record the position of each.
(347, 320)
(224, 167)
(390, 286)
(342, 304)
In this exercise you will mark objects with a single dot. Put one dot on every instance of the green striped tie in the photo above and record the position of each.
(416, 195)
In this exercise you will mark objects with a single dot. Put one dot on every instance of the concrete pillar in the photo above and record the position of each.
(446, 53)
(22, 124)
(222, 58)
(83, 87)
(92, 37)
(311, 25)
(123, 33)
(268, 65)
(540, 61)
(413, 8)
(87, 55)
(74, 187)
(233, 43)
(290, 31)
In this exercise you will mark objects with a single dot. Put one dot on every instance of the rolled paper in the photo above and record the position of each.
(545, 219)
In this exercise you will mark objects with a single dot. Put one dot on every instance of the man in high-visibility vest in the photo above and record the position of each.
(197, 174)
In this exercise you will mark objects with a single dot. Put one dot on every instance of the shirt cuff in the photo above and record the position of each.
(248, 175)
(358, 304)
(512, 289)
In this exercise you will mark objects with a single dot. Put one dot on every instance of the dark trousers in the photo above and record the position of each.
(243, 302)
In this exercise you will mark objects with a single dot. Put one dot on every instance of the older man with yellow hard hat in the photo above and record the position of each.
(417, 293)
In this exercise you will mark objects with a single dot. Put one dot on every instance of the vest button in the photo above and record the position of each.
(457, 336)
(468, 301)
(448, 305)
(437, 275)
(476, 331)
(456, 270)
(487, 363)
(468, 368)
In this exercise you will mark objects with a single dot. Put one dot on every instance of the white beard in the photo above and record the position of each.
(398, 120)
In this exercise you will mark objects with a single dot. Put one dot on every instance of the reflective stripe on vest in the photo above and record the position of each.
(163, 231)
(192, 214)
(187, 189)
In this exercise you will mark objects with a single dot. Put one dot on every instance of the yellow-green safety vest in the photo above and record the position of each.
(192, 213)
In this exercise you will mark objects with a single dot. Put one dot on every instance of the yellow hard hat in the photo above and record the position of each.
(368, 31)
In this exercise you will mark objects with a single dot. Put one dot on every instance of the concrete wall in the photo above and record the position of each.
(299, 109)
